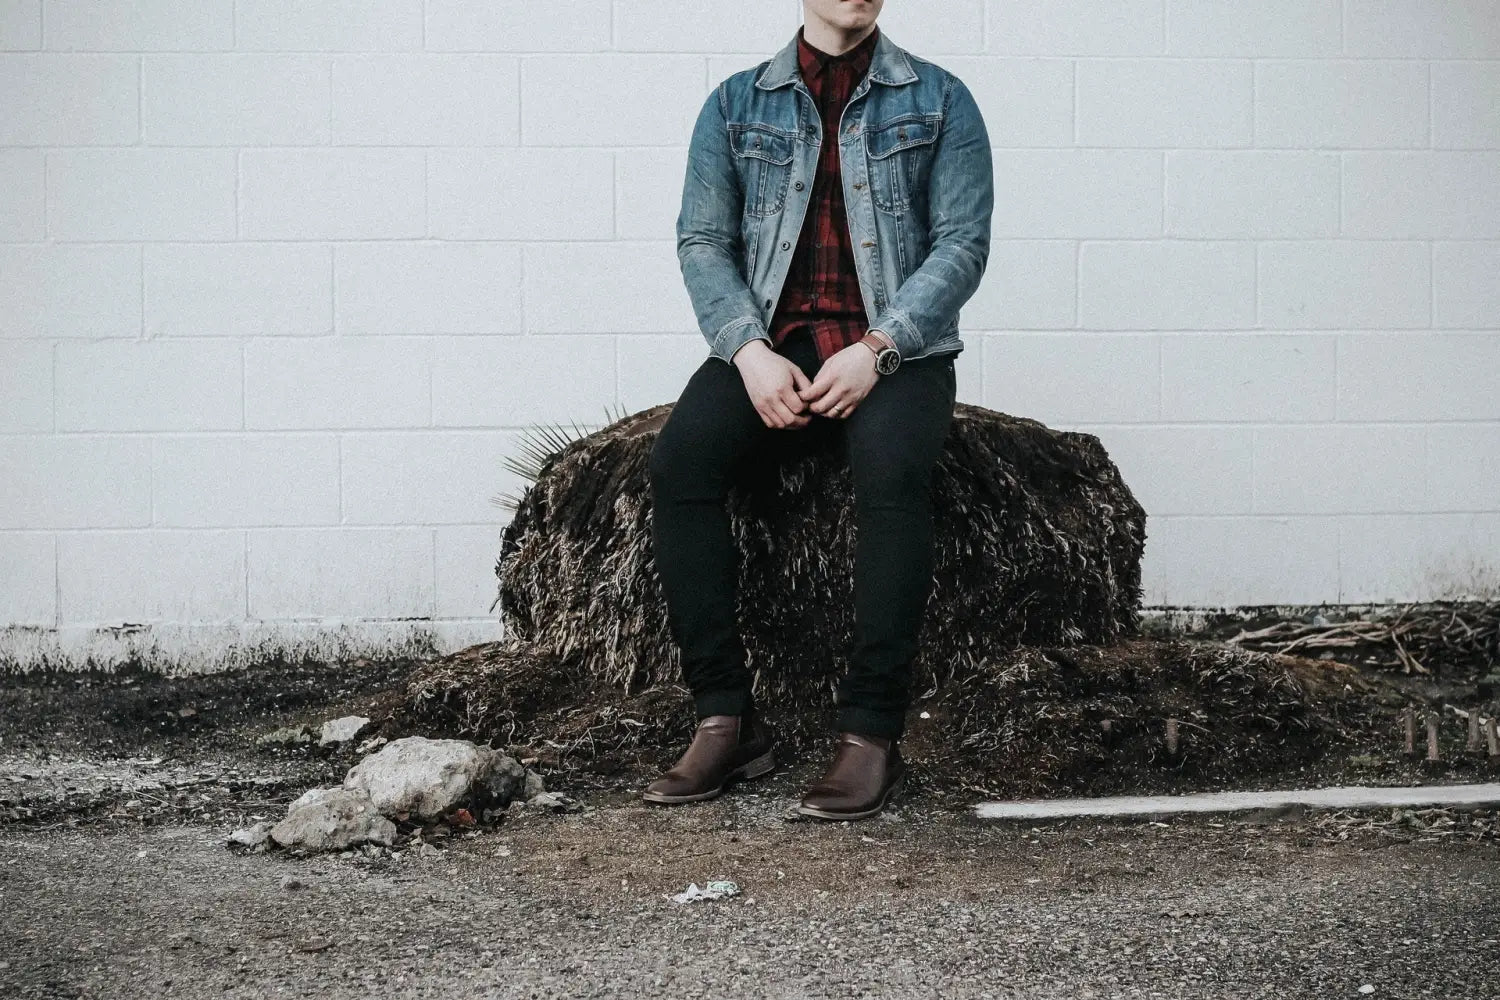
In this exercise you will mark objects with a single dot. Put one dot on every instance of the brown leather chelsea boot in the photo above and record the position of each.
(866, 771)
(719, 755)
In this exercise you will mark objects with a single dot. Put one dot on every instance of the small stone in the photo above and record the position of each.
(286, 735)
(533, 786)
(291, 883)
(342, 730)
(251, 836)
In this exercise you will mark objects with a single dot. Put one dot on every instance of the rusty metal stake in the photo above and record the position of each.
(1171, 736)
(1494, 742)
(1432, 737)
(1409, 727)
(1107, 730)
(1473, 745)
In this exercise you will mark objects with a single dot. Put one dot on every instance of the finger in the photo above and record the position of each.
(783, 413)
(800, 380)
(835, 397)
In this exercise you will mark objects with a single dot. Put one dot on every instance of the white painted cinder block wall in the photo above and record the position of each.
(282, 281)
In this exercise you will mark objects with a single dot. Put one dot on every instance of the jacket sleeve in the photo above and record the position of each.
(961, 201)
(709, 247)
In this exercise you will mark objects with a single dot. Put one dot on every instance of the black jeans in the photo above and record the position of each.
(892, 440)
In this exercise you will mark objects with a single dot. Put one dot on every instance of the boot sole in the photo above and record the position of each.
(763, 764)
(896, 787)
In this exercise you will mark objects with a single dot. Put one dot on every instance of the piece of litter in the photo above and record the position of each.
(717, 889)
(1367, 988)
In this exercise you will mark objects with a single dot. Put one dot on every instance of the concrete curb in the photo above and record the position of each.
(1339, 797)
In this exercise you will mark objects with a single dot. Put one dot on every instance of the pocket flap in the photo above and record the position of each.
(883, 140)
(762, 143)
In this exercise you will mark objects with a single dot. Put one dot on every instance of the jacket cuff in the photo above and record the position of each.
(899, 328)
(737, 334)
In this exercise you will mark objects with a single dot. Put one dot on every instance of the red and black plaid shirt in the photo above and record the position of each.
(822, 288)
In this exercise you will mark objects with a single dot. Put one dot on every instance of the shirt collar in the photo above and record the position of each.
(812, 60)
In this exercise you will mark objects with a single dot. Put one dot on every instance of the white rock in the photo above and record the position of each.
(342, 730)
(429, 778)
(332, 819)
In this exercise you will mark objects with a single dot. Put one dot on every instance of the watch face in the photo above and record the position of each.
(886, 361)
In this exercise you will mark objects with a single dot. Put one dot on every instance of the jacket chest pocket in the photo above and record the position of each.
(900, 154)
(763, 158)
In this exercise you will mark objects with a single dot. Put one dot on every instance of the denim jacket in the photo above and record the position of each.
(918, 192)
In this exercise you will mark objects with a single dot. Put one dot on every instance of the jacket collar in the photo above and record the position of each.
(888, 65)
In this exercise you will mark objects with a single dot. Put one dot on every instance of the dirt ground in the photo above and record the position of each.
(117, 793)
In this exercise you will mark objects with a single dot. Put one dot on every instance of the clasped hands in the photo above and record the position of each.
(783, 394)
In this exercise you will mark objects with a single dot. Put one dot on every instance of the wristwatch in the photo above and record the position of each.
(887, 358)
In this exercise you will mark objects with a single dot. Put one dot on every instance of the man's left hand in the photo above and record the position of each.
(843, 381)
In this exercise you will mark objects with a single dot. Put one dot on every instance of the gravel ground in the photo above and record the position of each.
(914, 904)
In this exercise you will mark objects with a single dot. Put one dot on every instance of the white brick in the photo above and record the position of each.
(1409, 557)
(334, 383)
(1248, 377)
(929, 27)
(332, 194)
(1341, 104)
(23, 206)
(140, 194)
(1183, 470)
(1252, 194)
(21, 24)
(61, 291)
(238, 289)
(1332, 469)
(329, 25)
(655, 369)
(131, 26)
(631, 287)
(426, 477)
(648, 187)
(1229, 561)
(1463, 467)
(109, 577)
(1419, 376)
(1466, 105)
(1167, 285)
(249, 480)
(29, 595)
(1344, 285)
(393, 288)
(1466, 285)
(341, 572)
(164, 385)
(1077, 28)
(527, 194)
(68, 100)
(426, 100)
(689, 26)
(1447, 195)
(1027, 285)
(1450, 29)
(1177, 102)
(1259, 29)
(75, 482)
(1074, 377)
(199, 100)
(1025, 102)
(517, 26)
(519, 381)
(633, 100)
(1073, 194)
(466, 581)
(25, 387)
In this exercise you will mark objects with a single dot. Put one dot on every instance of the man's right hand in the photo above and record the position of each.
(772, 381)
